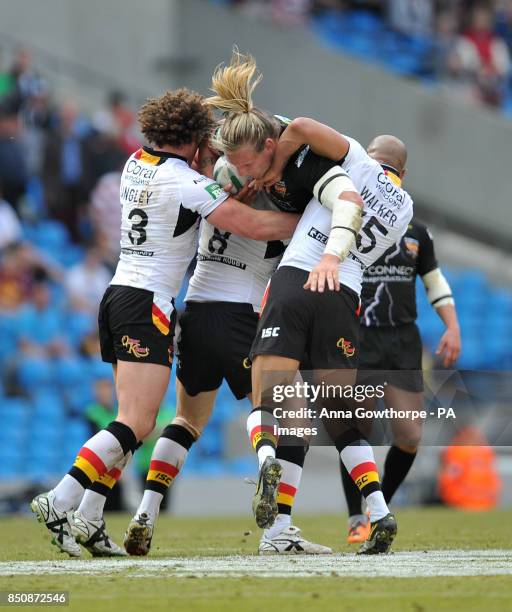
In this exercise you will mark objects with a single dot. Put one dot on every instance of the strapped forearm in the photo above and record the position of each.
(439, 292)
(346, 212)
(345, 225)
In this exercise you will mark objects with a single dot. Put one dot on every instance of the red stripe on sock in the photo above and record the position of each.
(362, 468)
(162, 466)
(115, 473)
(93, 459)
(258, 428)
(287, 489)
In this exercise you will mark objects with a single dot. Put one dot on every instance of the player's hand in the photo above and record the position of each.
(326, 270)
(449, 346)
(246, 195)
(271, 176)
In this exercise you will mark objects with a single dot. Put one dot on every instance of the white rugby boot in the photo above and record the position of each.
(57, 523)
(93, 536)
(290, 542)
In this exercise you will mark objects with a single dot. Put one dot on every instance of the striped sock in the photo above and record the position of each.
(357, 456)
(167, 459)
(95, 497)
(262, 430)
(96, 457)
(291, 453)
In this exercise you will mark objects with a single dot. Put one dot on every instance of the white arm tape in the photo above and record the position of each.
(438, 289)
(345, 225)
(328, 188)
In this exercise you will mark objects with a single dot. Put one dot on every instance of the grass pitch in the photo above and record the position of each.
(444, 560)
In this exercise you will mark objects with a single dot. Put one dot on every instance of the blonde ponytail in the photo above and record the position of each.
(234, 84)
(243, 123)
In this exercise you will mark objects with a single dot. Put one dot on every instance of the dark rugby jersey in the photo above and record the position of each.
(303, 170)
(388, 296)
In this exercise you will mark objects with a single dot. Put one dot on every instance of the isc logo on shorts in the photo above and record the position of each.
(269, 332)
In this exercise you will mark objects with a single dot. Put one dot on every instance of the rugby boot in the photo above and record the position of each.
(382, 533)
(264, 503)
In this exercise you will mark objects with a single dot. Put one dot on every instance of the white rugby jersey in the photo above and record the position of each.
(162, 201)
(231, 268)
(387, 212)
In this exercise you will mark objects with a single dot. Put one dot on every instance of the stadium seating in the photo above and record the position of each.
(364, 35)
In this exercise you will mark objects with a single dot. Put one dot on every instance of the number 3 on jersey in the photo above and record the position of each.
(138, 226)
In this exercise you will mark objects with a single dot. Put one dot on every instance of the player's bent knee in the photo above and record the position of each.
(195, 429)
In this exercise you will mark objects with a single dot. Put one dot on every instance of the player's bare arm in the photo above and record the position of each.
(322, 139)
(450, 343)
(440, 296)
(235, 217)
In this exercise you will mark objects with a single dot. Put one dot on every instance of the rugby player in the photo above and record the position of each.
(217, 329)
(327, 245)
(389, 337)
(162, 201)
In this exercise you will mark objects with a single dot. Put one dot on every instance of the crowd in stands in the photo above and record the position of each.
(463, 45)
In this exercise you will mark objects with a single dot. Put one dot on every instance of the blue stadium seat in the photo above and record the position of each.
(48, 406)
(35, 374)
(99, 369)
(14, 410)
(71, 372)
(363, 21)
(79, 397)
(50, 235)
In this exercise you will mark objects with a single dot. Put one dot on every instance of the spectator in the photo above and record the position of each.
(64, 172)
(290, 12)
(13, 166)
(444, 62)
(412, 17)
(15, 279)
(20, 267)
(40, 324)
(484, 57)
(27, 81)
(105, 215)
(86, 282)
(10, 227)
(504, 22)
(7, 81)
(103, 152)
(128, 138)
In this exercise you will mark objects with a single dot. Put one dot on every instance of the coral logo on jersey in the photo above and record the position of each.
(346, 347)
(215, 190)
(412, 247)
(247, 363)
(133, 347)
